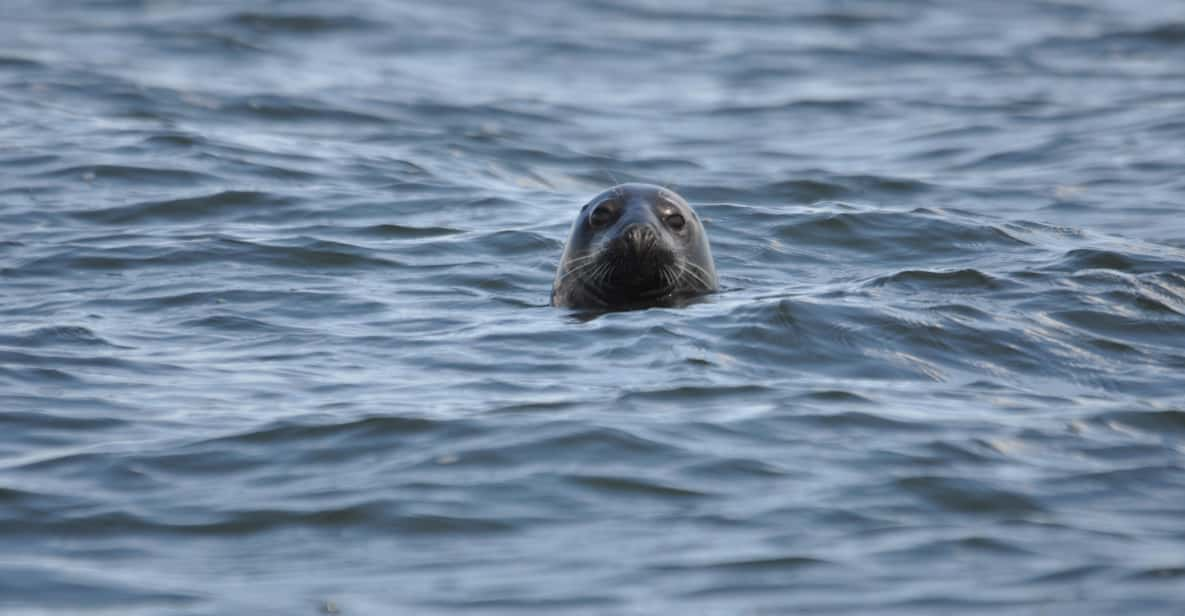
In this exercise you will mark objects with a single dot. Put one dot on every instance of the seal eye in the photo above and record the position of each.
(602, 215)
(676, 221)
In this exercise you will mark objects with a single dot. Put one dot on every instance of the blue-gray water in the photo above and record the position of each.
(274, 334)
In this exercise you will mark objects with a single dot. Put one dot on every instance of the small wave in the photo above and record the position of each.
(627, 487)
(225, 204)
(131, 174)
(19, 63)
(725, 470)
(54, 421)
(1157, 573)
(512, 243)
(1124, 327)
(402, 232)
(65, 360)
(701, 394)
(1143, 481)
(844, 105)
(859, 421)
(755, 565)
(298, 23)
(1091, 258)
(376, 515)
(285, 109)
(895, 235)
(832, 187)
(25, 160)
(57, 335)
(233, 323)
(1128, 53)
(36, 588)
(964, 279)
(967, 495)
(288, 432)
(303, 253)
(170, 140)
(1154, 423)
(836, 395)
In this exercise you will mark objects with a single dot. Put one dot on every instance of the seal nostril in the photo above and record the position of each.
(640, 236)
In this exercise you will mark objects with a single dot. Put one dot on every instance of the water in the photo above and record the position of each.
(274, 335)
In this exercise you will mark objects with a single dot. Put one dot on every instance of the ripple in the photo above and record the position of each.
(294, 254)
(405, 232)
(369, 432)
(970, 496)
(19, 63)
(58, 335)
(749, 565)
(1152, 422)
(26, 160)
(234, 204)
(849, 420)
(1142, 52)
(47, 586)
(234, 324)
(622, 487)
(1081, 259)
(62, 361)
(162, 176)
(43, 420)
(375, 515)
(1158, 573)
(298, 23)
(511, 243)
(843, 187)
(575, 443)
(893, 235)
(834, 395)
(919, 280)
(823, 337)
(303, 111)
(1123, 327)
(695, 394)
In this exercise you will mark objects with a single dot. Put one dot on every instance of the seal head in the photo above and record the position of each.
(634, 246)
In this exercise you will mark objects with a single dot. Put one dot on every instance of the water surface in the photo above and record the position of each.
(274, 335)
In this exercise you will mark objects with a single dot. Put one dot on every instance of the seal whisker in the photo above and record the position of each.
(691, 273)
(577, 261)
(576, 271)
(597, 276)
(696, 266)
(670, 277)
(585, 259)
(580, 264)
(607, 270)
(700, 274)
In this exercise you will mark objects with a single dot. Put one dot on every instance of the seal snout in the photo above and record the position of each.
(639, 237)
(639, 258)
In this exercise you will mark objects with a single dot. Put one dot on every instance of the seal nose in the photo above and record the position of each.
(640, 237)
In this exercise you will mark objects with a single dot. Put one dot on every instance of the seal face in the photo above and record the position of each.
(634, 246)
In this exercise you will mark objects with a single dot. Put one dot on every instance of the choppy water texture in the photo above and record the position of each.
(274, 336)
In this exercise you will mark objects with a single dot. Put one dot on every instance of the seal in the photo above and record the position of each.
(634, 246)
